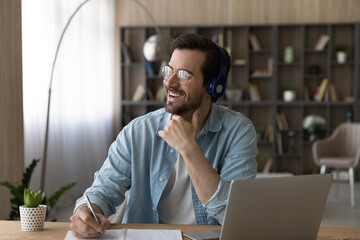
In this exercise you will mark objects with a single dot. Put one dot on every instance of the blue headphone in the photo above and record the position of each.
(217, 85)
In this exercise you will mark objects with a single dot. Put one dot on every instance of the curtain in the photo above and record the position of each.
(81, 111)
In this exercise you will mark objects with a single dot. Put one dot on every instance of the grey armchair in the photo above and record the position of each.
(340, 150)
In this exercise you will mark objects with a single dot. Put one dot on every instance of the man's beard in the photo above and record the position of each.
(191, 105)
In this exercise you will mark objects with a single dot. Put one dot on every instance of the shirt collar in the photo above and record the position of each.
(213, 122)
(164, 122)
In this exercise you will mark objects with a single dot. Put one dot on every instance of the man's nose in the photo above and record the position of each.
(173, 81)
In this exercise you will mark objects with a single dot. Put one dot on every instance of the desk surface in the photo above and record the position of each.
(58, 230)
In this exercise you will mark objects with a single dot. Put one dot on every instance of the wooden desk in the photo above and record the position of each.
(58, 230)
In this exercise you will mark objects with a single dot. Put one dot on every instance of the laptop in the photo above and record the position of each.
(273, 208)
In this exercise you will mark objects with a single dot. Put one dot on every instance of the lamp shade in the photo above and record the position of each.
(157, 47)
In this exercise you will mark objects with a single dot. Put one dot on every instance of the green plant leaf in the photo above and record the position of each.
(28, 173)
(13, 189)
(53, 199)
(33, 198)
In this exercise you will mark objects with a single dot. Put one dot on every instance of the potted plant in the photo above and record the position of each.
(340, 50)
(289, 94)
(315, 125)
(18, 193)
(32, 214)
(260, 130)
(234, 93)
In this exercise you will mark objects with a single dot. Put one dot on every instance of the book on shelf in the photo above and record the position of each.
(270, 66)
(326, 97)
(264, 72)
(332, 93)
(349, 99)
(139, 93)
(239, 61)
(306, 93)
(126, 53)
(269, 134)
(228, 49)
(267, 166)
(281, 121)
(321, 42)
(279, 143)
(160, 94)
(150, 69)
(254, 92)
(284, 120)
(260, 73)
(320, 90)
(254, 42)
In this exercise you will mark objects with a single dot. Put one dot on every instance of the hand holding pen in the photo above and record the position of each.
(88, 221)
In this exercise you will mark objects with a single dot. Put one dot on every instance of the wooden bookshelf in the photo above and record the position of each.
(270, 80)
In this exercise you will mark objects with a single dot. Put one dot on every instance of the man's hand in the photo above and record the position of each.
(83, 224)
(179, 133)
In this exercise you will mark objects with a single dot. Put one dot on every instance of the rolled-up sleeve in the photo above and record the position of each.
(112, 180)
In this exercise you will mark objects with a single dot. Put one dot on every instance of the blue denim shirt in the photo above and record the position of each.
(142, 161)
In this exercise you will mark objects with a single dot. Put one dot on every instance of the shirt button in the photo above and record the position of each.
(172, 150)
(161, 179)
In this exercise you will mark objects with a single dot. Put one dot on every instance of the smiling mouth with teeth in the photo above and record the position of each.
(175, 94)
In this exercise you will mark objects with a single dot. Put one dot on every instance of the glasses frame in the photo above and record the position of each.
(182, 80)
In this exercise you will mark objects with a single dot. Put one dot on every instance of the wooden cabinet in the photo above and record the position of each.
(266, 59)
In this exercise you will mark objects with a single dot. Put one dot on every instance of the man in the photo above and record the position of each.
(177, 162)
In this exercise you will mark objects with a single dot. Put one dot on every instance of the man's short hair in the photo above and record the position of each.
(211, 66)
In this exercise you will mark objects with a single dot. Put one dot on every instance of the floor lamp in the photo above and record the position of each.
(155, 48)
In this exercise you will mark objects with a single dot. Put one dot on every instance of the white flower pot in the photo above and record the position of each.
(233, 94)
(341, 57)
(32, 219)
(289, 95)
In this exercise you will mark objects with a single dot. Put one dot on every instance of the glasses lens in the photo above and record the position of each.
(166, 71)
(183, 76)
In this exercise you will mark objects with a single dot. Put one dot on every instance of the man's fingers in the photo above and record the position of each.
(104, 222)
(161, 133)
(81, 229)
(83, 224)
(88, 218)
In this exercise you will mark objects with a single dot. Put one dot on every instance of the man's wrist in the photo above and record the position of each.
(96, 208)
(190, 150)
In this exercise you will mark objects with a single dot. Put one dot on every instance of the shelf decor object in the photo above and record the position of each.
(289, 54)
(289, 95)
(315, 125)
(341, 53)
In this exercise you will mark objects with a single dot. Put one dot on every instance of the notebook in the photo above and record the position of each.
(273, 208)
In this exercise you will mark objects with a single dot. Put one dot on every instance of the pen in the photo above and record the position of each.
(88, 203)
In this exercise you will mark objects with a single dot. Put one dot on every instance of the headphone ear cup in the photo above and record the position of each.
(216, 88)
(217, 85)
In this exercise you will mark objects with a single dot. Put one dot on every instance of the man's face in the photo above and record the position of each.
(182, 99)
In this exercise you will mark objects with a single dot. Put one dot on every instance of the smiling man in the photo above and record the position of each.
(178, 161)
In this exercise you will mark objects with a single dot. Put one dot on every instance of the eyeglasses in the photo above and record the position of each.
(182, 75)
